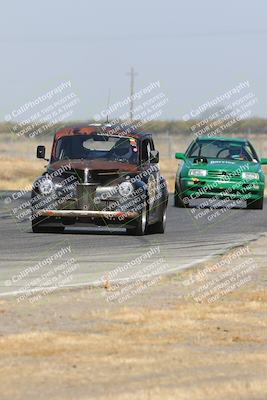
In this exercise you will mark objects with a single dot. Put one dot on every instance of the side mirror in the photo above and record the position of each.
(180, 156)
(40, 153)
(154, 156)
(263, 161)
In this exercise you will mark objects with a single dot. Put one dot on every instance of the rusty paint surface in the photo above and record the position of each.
(82, 213)
(96, 164)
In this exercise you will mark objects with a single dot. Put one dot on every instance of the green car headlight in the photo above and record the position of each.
(197, 172)
(250, 175)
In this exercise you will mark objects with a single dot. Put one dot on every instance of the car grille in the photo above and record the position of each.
(86, 196)
(222, 174)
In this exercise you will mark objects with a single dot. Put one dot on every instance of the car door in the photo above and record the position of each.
(151, 177)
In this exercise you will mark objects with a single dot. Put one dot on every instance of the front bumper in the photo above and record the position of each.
(87, 204)
(232, 189)
(82, 217)
(88, 214)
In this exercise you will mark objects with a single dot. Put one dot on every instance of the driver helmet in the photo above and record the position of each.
(123, 149)
(235, 151)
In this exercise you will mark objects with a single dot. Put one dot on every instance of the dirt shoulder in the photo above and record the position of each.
(185, 337)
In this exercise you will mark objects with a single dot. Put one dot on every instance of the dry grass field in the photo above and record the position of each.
(184, 352)
(19, 166)
(18, 173)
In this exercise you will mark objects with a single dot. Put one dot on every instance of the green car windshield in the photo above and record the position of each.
(222, 149)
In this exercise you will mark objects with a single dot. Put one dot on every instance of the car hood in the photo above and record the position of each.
(224, 165)
(93, 165)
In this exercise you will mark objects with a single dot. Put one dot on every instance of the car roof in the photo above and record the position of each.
(223, 138)
(83, 129)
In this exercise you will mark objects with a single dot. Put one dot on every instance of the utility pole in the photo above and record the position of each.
(132, 76)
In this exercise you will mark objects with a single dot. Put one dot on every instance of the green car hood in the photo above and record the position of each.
(229, 166)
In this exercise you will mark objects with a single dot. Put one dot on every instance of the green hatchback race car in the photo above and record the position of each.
(220, 168)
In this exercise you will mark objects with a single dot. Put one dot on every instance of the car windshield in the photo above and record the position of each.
(95, 146)
(222, 149)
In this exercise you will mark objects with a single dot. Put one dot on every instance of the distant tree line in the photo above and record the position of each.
(252, 125)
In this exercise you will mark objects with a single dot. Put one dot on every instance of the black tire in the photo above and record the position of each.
(47, 229)
(178, 199)
(159, 227)
(37, 227)
(255, 204)
(141, 224)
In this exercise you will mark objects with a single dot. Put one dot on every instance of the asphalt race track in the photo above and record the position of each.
(192, 235)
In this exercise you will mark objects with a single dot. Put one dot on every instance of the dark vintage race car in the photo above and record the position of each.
(102, 175)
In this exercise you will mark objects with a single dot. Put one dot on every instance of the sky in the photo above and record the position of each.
(196, 49)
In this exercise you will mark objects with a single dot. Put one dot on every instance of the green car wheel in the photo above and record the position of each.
(178, 199)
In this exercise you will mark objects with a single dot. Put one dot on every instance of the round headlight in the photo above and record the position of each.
(125, 189)
(46, 186)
